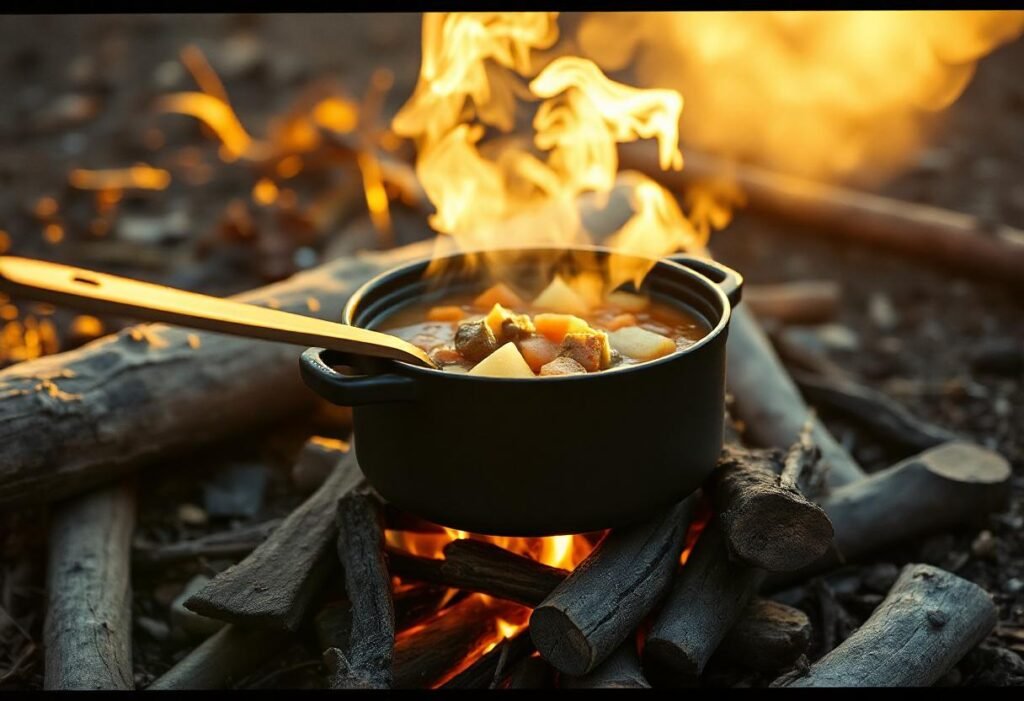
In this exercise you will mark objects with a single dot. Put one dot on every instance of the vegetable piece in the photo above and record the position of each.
(562, 366)
(498, 294)
(641, 344)
(507, 325)
(591, 350)
(504, 362)
(628, 301)
(537, 351)
(617, 322)
(446, 313)
(475, 341)
(559, 297)
(555, 326)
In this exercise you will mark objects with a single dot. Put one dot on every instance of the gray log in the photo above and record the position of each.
(608, 595)
(274, 585)
(929, 620)
(361, 551)
(88, 610)
(225, 544)
(74, 420)
(620, 671)
(796, 302)
(221, 660)
(769, 404)
(768, 637)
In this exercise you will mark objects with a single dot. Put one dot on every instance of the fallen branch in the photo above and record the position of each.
(88, 608)
(799, 302)
(608, 595)
(954, 239)
(74, 420)
(226, 544)
(767, 523)
(768, 637)
(274, 585)
(621, 670)
(367, 657)
(929, 620)
(225, 657)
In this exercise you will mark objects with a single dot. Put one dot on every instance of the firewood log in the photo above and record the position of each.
(74, 420)
(607, 596)
(274, 585)
(620, 671)
(222, 659)
(929, 620)
(367, 657)
(798, 302)
(766, 524)
(225, 544)
(88, 607)
(768, 637)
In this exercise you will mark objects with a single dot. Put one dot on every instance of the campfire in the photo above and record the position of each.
(562, 223)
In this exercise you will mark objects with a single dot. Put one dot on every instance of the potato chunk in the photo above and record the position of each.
(475, 341)
(641, 344)
(507, 325)
(504, 362)
(591, 350)
(555, 326)
(628, 301)
(559, 297)
(562, 366)
(499, 294)
(537, 351)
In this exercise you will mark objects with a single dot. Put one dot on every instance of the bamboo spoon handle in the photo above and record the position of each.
(110, 294)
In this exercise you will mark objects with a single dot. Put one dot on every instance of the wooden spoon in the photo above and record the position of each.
(110, 294)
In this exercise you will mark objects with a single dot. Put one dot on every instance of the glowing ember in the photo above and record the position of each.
(138, 177)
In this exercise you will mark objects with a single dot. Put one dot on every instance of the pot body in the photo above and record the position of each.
(542, 456)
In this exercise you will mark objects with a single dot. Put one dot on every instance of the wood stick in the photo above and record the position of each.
(274, 585)
(798, 302)
(768, 637)
(225, 544)
(222, 659)
(88, 610)
(620, 671)
(491, 669)
(929, 620)
(481, 567)
(952, 485)
(954, 239)
(768, 402)
(607, 596)
(429, 654)
(708, 597)
(367, 657)
(878, 413)
(766, 524)
(74, 420)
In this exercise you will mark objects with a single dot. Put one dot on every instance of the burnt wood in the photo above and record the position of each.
(608, 595)
(930, 619)
(531, 673)
(223, 659)
(367, 657)
(768, 403)
(768, 637)
(88, 625)
(952, 485)
(225, 544)
(621, 670)
(486, 568)
(274, 585)
(709, 595)
(492, 668)
(74, 420)
(766, 521)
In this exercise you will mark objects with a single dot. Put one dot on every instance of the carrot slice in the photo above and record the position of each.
(499, 294)
(555, 326)
(445, 313)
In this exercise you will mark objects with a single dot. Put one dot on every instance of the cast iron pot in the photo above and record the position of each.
(541, 456)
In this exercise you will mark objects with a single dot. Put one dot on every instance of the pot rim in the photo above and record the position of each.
(723, 322)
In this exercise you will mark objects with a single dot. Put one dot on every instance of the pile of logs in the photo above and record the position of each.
(646, 607)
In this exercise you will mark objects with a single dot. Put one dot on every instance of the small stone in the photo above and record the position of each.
(158, 630)
(189, 623)
(236, 491)
(168, 75)
(882, 311)
(1014, 585)
(240, 54)
(879, 578)
(192, 515)
(66, 111)
(984, 546)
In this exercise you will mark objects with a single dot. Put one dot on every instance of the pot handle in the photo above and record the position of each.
(351, 390)
(728, 279)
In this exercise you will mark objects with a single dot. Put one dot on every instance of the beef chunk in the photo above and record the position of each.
(591, 350)
(475, 341)
(562, 366)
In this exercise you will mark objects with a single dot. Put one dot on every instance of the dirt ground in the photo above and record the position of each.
(78, 92)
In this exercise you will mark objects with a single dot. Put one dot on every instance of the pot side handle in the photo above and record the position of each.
(351, 390)
(725, 277)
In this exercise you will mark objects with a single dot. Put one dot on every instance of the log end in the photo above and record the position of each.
(668, 664)
(960, 461)
(779, 532)
(561, 642)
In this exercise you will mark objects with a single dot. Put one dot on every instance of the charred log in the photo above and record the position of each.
(620, 671)
(225, 657)
(768, 637)
(227, 545)
(491, 669)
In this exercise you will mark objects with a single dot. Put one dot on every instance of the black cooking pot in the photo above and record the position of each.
(541, 456)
